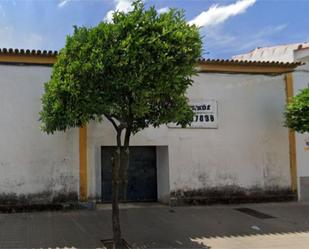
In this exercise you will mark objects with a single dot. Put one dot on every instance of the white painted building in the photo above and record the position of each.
(33, 165)
(239, 152)
(291, 53)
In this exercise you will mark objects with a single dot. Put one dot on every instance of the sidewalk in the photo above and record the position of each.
(156, 226)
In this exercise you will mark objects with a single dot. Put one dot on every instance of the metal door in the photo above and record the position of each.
(142, 173)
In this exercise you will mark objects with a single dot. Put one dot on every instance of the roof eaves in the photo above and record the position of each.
(27, 56)
(48, 57)
(246, 66)
(250, 62)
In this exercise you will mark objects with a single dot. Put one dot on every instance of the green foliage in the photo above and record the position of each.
(297, 112)
(135, 70)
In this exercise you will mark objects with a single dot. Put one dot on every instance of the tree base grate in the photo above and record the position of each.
(255, 213)
(109, 244)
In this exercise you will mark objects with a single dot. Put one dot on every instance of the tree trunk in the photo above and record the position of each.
(124, 172)
(115, 195)
(125, 153)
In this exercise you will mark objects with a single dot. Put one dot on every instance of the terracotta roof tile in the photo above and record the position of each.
(49, 57)
(38, 52)
(250, 62)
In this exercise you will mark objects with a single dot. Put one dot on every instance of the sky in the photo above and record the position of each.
(228, 27)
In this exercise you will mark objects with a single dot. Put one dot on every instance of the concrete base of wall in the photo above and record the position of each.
(230, 195)
(164, 199)
(45, 201)
(304, 188)
(42, 198)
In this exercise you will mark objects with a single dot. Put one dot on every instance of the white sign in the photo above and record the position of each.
(205, 115)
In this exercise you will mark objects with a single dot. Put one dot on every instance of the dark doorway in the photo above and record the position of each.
(142, 173)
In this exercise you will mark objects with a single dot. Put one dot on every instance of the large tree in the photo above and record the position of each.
(297, 112)
(133, 72)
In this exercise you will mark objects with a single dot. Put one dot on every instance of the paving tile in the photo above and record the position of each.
(154, 226)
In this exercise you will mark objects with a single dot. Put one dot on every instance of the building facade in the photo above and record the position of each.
(298, 52)
(235, 150)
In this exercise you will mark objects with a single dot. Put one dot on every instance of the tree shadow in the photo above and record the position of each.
(211, 227)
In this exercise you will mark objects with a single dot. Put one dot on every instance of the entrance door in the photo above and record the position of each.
(142, 173)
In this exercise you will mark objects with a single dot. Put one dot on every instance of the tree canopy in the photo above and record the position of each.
(134, 71)
(297, 112)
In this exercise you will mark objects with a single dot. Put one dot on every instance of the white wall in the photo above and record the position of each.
(32, 162)
(249, 149)
(163, 174)
(291, 53)
(301, 81)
